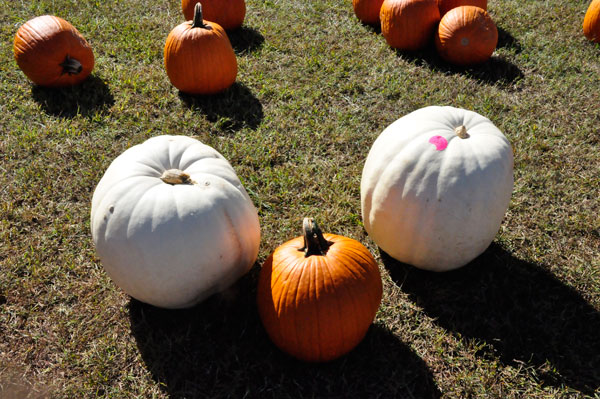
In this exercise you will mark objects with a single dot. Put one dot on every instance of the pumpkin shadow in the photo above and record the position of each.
(219, 349)
(231, 110)
(245, 40)
(87, 98)
(374, 28)
(521, 311)
(508, 41)
(495, 70)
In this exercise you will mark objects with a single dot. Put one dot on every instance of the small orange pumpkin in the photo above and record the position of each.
(367, 11)
(51, 52)
(591, 22)
(447, 5)
(466, 35)
(318, 294)
(199, 58)
(227, 13)
(408, 24)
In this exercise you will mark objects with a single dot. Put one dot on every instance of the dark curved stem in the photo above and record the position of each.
(198, 21)
(314, 242)
(71, 66)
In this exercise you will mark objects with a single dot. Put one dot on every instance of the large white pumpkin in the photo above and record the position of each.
(172, 223)
(435, 187)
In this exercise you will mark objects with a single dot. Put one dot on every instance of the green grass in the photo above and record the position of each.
(314, 89)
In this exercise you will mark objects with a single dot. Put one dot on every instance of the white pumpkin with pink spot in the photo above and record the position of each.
(435, 187)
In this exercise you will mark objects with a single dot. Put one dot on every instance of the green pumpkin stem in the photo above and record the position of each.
(314, 242)
(198, 21)
(71, 66)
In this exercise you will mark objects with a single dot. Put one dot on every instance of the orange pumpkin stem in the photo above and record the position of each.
(198, 21)
(71, 66)
(314, 242)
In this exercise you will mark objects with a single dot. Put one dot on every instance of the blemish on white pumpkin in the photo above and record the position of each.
(440, 142)
(111, 209)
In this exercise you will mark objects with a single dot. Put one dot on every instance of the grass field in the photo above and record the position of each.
(314, 89)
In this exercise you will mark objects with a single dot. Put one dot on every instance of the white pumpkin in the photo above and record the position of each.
(435, 187)
(172, 223)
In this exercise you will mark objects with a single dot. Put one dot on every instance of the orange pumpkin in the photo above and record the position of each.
(318, 294)
(408, 24)
(199, 58)
(51, 52)
(447, 5)
(591, 22)
(466, 35)
(227, 13)
(367, 11)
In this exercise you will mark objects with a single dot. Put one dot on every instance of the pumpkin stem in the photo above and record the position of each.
(71, 66)
(314, 242)
(198, 22)
(176, 176)
(461, 132)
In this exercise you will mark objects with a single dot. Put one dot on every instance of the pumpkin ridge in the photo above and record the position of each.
(140, 201)
(297, 305)
(352, 267)
(233, 233)
(284, 300)
(284, 272)
(339, 323)
(316, 293)
(281, 305)
(344, 259)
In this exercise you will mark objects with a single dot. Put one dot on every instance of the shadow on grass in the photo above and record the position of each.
(230, 110)
(523, 312)
(220, 349)
(496, 70)
(245, 40)
(87, 98)
(373, 28)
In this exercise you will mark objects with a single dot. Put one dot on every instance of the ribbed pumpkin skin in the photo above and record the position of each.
(199, 60)
(466, 35)
(431, 198)
(227, 13)
(367, 11)
(447, 5)
(591, 22)
(408, 24)
(320, 307)
(42, 44)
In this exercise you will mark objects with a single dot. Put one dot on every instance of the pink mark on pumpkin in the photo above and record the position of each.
(439, 142)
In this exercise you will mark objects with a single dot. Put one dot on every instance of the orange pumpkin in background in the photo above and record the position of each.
(447, 5)
(318, 294)
(51, 52)
(367, 11)
(591, 22)
(199, 58)
(227, 13)
(408, 24)
(466, 35)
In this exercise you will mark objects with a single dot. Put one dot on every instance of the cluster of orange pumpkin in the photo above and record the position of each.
(198, 55)
(463, 31)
